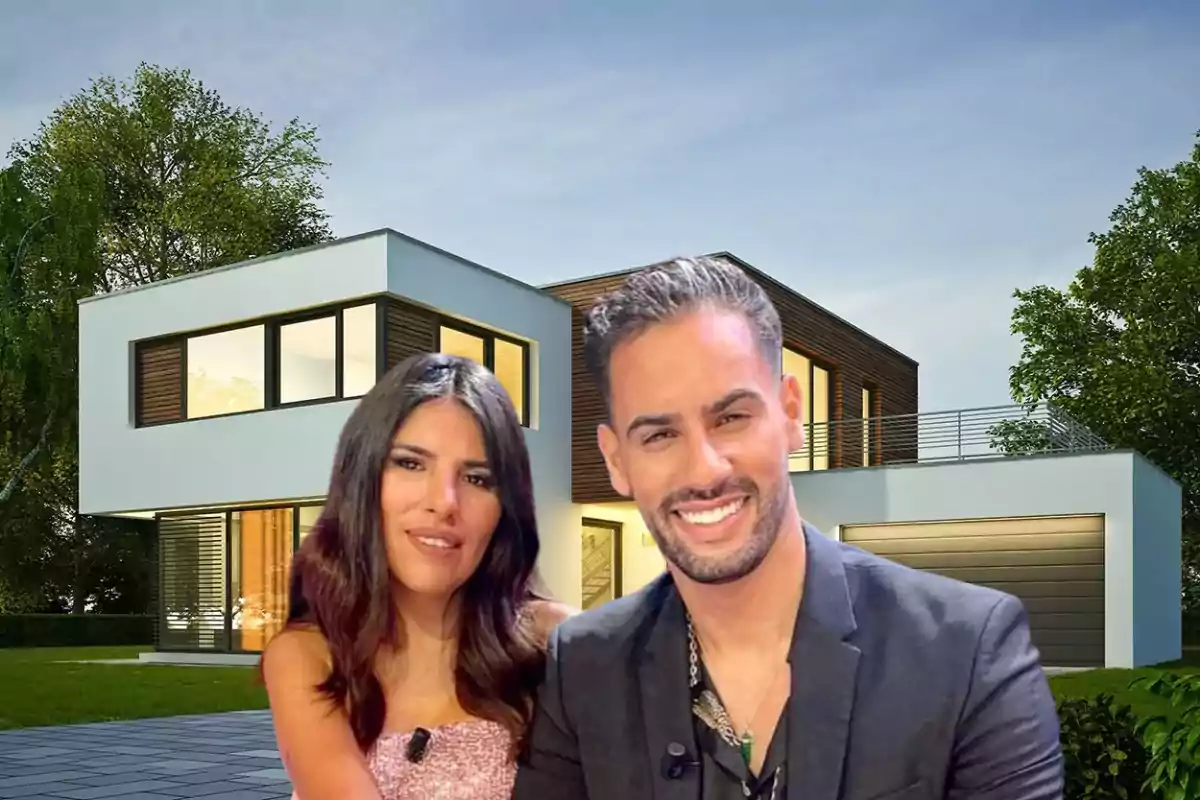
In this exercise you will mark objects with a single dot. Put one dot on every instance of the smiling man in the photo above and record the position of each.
(769, 661)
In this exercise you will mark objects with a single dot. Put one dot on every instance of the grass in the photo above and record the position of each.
(36, 689)
(1116, 683)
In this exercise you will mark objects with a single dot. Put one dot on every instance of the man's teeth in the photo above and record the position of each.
(435, 542)
(713, 515)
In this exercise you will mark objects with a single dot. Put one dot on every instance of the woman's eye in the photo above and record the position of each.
(482, 481)
(406, 463)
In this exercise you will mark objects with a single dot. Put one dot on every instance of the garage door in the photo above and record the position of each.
(1055, 565)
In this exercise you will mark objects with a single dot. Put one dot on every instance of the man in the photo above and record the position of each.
(768, 661)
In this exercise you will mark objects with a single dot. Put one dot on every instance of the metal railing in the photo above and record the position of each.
(990, 432)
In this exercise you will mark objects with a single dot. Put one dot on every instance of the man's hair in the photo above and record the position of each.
(661, 292)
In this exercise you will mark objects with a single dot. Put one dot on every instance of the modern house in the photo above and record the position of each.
(212, 403)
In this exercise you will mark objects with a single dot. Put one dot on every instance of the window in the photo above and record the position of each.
(226, 372)
(359, 356)
(308, 360)
(509, 367)
(306, 520)
(815, 413)
(458, 343)
(322, 356)
(869, 446)
(508, 360)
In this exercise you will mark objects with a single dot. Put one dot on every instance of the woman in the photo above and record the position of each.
(415, 639)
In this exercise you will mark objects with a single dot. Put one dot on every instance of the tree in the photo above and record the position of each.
(1119, 349)
(124, 184)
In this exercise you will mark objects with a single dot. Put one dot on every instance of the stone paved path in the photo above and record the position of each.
(213, 756)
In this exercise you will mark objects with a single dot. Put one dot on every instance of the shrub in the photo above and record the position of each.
(1173, 740)
(1103, 754)
(75, 630)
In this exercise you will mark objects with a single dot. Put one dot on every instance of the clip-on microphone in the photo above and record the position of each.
(675, 761)
(417, 745)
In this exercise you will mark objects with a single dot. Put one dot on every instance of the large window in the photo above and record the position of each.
(327, 356)
(226, 372)
(260, 551)
(318, 355)
(815, 414)
(224, 575)
(509, 360)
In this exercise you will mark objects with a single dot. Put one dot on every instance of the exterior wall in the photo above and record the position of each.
(285, 454)
(1140, 537)
(854, 358)
(1157, 567)
(278, 454)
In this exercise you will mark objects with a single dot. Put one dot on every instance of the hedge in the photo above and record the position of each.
(75, 630)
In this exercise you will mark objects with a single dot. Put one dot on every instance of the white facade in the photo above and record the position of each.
(285, 453)
(1141, 507)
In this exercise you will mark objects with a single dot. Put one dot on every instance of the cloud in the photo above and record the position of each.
(907, 170)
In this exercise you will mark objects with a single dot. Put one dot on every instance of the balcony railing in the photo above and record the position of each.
(990, 432)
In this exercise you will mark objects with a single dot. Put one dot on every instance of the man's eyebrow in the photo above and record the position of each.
(735, 396)
(657, 420)
(650, 421)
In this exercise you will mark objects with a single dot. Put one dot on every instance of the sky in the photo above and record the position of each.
(906, 164)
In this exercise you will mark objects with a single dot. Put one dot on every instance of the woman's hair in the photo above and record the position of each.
(342, 583)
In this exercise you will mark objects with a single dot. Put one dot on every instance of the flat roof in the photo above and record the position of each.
(321, 245)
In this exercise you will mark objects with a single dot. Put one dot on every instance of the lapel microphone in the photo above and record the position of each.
(675, 760)
(417, 745)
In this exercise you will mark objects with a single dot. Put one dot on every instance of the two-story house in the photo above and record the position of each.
(212, 404)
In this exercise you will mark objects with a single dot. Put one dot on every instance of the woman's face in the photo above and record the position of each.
(438, 499)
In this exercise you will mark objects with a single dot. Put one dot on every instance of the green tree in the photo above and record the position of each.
(126, 183)
(1119, 349)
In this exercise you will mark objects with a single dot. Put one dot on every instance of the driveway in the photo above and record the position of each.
(214, 756)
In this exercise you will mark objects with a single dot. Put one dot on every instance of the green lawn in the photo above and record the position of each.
(35, 690)
(1116, 682)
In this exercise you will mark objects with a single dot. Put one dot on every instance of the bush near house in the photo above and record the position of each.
(75, 630)
(1131, 733)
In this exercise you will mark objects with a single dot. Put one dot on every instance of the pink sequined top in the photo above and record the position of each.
(466, 760)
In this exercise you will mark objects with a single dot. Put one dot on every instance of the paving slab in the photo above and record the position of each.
(213, 756)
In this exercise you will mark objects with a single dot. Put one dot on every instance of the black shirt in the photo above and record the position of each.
(724, 774)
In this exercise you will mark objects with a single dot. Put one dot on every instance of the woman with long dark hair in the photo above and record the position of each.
(415, 637)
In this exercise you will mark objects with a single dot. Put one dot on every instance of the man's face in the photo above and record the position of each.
(699, 435)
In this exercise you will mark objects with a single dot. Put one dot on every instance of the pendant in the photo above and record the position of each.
(747, 746)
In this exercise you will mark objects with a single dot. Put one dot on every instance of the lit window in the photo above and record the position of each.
(226, 372)
(504, 358)
(358, 350)
(308, 360)
(815, 400)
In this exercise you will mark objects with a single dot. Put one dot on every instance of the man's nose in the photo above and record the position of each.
(707, 465)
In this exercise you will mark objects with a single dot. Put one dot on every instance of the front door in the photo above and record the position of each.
(601, 562)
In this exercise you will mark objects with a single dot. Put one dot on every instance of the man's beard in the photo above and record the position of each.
(769, 511)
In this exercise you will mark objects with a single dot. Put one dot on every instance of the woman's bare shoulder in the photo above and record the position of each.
(297, 650)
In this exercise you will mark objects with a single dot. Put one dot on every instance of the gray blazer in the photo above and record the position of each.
(905, 686)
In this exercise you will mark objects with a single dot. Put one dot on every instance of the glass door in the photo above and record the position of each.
(260, 562)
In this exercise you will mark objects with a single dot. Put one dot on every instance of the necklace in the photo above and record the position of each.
(708, 707)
